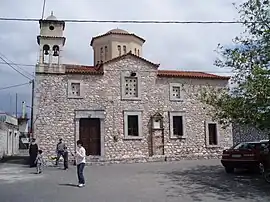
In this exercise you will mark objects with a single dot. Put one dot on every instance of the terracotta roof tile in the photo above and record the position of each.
(98, 70)
(131, 54)
(190, 74)
(116, 33)
(80, 69)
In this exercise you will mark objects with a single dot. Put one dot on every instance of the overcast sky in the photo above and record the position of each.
(174, 46)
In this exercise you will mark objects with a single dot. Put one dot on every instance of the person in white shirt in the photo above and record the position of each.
(80, 162)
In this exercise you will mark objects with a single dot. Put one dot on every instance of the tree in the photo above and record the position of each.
(248, 101)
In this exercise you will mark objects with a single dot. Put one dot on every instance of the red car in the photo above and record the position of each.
(245, 155)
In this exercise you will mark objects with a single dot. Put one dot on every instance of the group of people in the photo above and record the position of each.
(36, 158)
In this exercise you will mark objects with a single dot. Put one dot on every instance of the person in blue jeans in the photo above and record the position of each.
(80, 162)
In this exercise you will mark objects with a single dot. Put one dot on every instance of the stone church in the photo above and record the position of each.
(123, 107)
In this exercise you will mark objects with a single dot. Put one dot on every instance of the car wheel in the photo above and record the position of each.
(229, 169)
(266, 176)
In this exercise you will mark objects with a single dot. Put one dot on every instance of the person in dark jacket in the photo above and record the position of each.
(33, 152)
(59, 150)
(65, 158)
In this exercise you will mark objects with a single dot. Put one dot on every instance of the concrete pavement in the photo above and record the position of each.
(185, 181)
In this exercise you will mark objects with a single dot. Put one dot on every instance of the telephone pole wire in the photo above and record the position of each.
(32, 107)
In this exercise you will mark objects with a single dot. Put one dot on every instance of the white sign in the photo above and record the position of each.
(25, 140)
(157, 124)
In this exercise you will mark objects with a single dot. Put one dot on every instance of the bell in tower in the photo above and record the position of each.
(51, 42)
(46, 49)
(55, 50)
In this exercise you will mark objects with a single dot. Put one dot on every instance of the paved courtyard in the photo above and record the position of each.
(185, 181)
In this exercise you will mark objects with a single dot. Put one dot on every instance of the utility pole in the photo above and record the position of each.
(10, 104)
(16, 108)
(32, 106)
(43, 8)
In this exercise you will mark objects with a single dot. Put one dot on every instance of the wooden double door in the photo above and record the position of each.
(90, 135)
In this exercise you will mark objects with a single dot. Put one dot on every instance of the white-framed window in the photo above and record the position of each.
(212, 134)
(119, 50)
(75, 89)
(135, 51)
(177, 125)
(176, 93)
(138, 52)
(124, 49)
(46, 53)
(132, 124)
(131, 88)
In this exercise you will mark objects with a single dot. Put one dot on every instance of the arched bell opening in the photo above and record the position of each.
(55, 56)
(46, 53)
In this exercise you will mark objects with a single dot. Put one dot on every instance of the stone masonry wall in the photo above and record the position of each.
(247, 134)
(55, 113)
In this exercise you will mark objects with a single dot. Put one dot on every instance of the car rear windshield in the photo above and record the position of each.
(245, 145)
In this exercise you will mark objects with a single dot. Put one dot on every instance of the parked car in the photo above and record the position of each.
(245, 155)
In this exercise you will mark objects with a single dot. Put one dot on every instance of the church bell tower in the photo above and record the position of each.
(51, 42)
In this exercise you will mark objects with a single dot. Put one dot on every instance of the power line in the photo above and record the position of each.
(132, 21)
(23, 84)
(14, 68)
(17, 65)
(20, 64)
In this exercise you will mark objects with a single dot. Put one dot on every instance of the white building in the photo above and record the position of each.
(23, 128)
(9, 135)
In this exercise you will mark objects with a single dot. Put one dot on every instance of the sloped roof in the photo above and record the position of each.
(190, 74)
(98, 70)
(116, 32)
(82, 69)
(132, 55)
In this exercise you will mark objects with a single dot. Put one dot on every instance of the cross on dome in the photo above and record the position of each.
(51, 17)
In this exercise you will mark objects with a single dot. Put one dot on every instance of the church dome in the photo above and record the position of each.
(51, 17)
(117, 31)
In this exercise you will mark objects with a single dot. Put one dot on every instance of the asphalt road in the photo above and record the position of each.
(185, 181)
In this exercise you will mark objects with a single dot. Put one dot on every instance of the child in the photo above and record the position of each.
(39, 161)
(65, 158)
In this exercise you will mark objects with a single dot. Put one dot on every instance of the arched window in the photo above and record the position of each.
(124, 49)
(138, 52)
(106, 53)
(46, 49)
(135, 51)
(119, 50)
(56, 51)
(46, 52)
